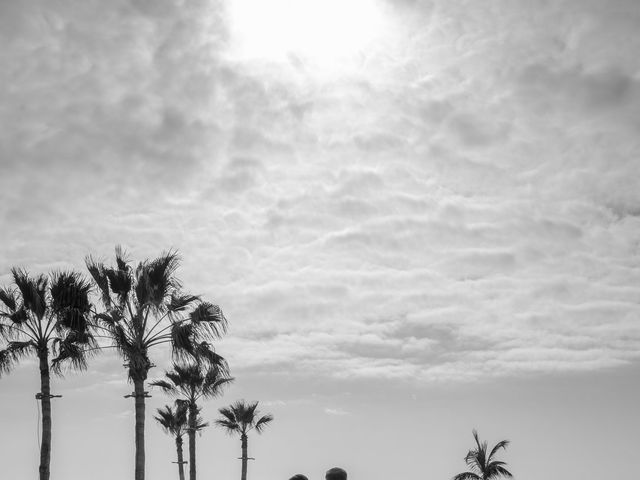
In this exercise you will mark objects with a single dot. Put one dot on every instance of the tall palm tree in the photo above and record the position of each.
(47, 317)
(174, 423)
(144, 307)
(192, 382)
(240, 418)
(484, 466)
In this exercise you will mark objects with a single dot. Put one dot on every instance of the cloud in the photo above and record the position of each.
(336, 411)
(582, 92)
(459, 203)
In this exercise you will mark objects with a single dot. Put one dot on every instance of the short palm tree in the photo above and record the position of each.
(240, 418)
(191, 382)
(484, 466)
(144, 307)
(174, 423)
(49, 318)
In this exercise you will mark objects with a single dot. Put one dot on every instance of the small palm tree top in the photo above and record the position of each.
(46, 313)
(483, 465)
(174, 420)
(242, 417)
(194, 381)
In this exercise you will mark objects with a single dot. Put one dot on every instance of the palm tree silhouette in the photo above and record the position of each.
(483, 466)
(241, 418)
(144, 308)
(192, 382)
(49, 318)
(174, 423)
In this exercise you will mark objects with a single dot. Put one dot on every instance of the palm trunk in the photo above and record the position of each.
(139, 392)
(243, 439)
(180, 458)
(193, 415)
(45, 390)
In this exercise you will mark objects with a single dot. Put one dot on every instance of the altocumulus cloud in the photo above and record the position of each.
(463, 204)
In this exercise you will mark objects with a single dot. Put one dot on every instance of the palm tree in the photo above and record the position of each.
(46, 317)
(192, 382)
(483, 466)
(144, 308)
(174, 423)
(241, 418)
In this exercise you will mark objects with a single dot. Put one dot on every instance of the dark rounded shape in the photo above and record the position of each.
(336, 473)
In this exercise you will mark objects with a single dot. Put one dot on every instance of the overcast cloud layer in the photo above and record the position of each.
(460, 201)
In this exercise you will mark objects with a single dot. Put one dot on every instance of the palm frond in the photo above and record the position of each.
(180, 302)
(6, 362)
(204, 353)
(184, 375)
(182, 341)
(122, 342)
(69, 290)
(122, 260)
(22, 330)
(478, 456)
(228, 414)
(201, 424)
(467, 476)
(229, 426)
(503, 444)
(120, 283)
(247, 412)
(155, 279)
(72, 353)
(97, 272)
(471, 459)
(497, 469)
(70, 302)
(214, 382)
(210, 316)
(8, 297)
(14, 352)
(165, 386)
(109, 318)
(263, 422)
(500, 470)
(32, 290)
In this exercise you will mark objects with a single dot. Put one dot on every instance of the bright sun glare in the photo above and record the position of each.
(316, 30)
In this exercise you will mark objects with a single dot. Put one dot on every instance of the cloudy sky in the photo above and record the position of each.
(420, 217)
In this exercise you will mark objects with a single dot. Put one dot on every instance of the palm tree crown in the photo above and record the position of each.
(145, 307)
(193, 381)
(46, 315)
(173, 422)
(482, 464)
(241, 418)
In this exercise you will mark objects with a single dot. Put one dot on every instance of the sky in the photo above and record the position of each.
(419, 217)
